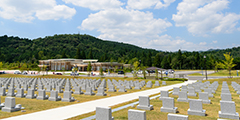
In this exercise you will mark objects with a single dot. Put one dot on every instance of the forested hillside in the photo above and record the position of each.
(15, 50)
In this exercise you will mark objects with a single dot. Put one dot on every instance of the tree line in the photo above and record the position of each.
(15, 51)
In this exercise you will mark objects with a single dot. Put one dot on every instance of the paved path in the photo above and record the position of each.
(86, 107)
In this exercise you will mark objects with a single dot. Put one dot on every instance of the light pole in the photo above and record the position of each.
(205, 66)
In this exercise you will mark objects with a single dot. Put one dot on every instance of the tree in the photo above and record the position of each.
(23, 67)
(157, 62)
(90, 55)
(40, 55)
(83, 55)
(64, 54)
(228, 63)
(78, 54)
(89, 68)
(136, 67)
(1, 65)
(164, 62)
(179, 58)
(101, 71)
(156, 71)
(149, 59)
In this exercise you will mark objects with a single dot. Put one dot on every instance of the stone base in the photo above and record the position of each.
(54, 99)
(30, 97)
(5, 109)
(206, 101)
(192, 94)
(170, 110)
(100, 94)
(145, 107)
(199, 113)
(230, 116)
(137, 88)
(111, 90)
(78, 93)
(89, 93)
(41, 98)
(20, 96)
(67, 100)
(175, 93)
(210, 95)
(182, 100)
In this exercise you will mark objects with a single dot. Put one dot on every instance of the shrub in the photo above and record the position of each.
(175, 79)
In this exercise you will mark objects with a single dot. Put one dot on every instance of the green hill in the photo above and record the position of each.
(16, 50)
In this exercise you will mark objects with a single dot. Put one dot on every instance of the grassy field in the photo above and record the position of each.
(219, 73)
(34, 105)
(211, 109)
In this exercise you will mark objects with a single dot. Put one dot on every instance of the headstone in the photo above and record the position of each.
(168, 105)
(104, 113)
(196, 108)
(20, 93)
(59, 89)
(3, 91)
(10, 92)
(182, 96)
(204, 97)
(191, 92)
(42, 95)
(177, 117)
(209, 91)
(122, 89)
(30, 94)
(136, 115)
(54, 96)
(101, 92)
(144, 103)
(228, 110)
(89, 91)
(184, 88)
(157, 83)
(226, 97)
(164, 93)
(78, 90)
(164, 83)
(137, 86)
(175, 90)
(67, 96)
(111, 88)
(10, 105)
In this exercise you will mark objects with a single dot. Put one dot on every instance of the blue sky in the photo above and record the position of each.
(166, 25)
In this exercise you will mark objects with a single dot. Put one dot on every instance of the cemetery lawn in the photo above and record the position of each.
(34, 105)
(195, 74)
(224, 73)
(211, 109)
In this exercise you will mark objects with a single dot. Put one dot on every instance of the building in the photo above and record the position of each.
(81, 64)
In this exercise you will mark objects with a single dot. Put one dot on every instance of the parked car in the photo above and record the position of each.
(17, 72)
(58, 73)
(171, 71)
(25, 73)
(74, 74)
(120, 72)
(3, 72)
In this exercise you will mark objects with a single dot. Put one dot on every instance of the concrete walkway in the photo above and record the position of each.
(86, 107)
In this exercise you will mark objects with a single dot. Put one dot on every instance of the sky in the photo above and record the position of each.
(166, 25)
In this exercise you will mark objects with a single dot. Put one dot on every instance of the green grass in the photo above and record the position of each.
(34, 105)
(211, 109)
(195, 74)
(224, 73)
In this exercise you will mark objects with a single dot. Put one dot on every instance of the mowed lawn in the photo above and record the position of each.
(211, 109)
(219, 73)
(34, 105)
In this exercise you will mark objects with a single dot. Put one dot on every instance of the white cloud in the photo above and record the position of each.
(166, 42)
(144, 4)
(28, 10)
(205, 16)
(96, 4)
(202, 43)
(215, 41)
(127, 26)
